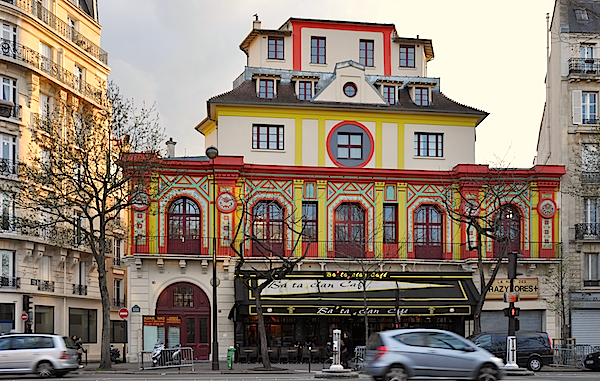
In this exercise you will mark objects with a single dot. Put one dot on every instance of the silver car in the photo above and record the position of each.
(46, 355)
(403, 354)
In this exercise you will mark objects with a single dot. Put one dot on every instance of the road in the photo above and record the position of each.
(299, 376)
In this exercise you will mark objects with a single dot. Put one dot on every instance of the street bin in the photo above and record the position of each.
(230, 355)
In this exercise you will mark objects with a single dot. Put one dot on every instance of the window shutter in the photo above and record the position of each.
(577, 119)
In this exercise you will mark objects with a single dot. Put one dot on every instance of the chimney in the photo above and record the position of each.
(256, 22)
(171, 148)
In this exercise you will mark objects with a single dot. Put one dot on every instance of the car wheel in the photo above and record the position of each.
(488, 373)
(535, 364)
(44, 370)
(396, 373)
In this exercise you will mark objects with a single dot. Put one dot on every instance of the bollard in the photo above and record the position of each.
(230, 354)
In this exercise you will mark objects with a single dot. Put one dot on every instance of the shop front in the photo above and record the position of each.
(304, 307)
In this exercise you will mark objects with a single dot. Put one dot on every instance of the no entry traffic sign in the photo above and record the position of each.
(24, 316)
(123, 313)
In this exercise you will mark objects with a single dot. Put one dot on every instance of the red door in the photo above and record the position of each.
(188, 302)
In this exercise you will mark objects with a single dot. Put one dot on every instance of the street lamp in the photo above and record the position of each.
(212, 152)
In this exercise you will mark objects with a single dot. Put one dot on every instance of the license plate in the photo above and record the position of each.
(589, 361)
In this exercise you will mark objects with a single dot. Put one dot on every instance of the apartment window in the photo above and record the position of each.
(275, 48)
(310, 219)
(590, 170)
(317, 50)
(7, 213)
(118, 331)
(305, 90)
(366, 52)
(79, 79)
(46, 268)
(507, 225)
(46, 57)
(428, 232)
(44, 319)
(118, 293)
(268, 228)
(9, 89)
(8, 155)
(184, 221)
(9, 40)
(422, 96)
(267, 137)
(429, 145)
(8, 268)
(7, 317)
(266, 88)
(390, 223)
(589, 114)
(590, 268)
(350, 89)
(407, 56)
(78, 233)
(117, 253)
(79, 274)
(349, 146)
(389, 94)
(84, 323)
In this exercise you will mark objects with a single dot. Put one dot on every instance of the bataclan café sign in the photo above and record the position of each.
(340, 293)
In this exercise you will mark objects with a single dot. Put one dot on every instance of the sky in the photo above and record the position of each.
(490, 55)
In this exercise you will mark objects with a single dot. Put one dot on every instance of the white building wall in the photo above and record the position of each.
(389, 145)
(310, 142)
(259, 49)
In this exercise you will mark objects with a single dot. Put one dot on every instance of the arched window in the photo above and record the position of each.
(184, 227)
(428, 232)
(268, 227)
(507, 225)
(349, 228)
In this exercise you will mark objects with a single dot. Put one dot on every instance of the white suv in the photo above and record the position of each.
(44, 354)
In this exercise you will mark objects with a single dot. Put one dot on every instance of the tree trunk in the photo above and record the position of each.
(105, 362)
(262, 333)
(479, 306)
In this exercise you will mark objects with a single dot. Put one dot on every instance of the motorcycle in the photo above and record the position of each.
(115, 355)
(160, 357)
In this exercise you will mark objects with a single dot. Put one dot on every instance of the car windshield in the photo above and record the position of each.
(69, 342)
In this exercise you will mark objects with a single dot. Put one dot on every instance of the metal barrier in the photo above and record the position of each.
(573, 355)
(169, 358)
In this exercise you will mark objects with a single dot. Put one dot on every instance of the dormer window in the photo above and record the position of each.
(407, 56)
(266, 88)
(581, 15)
(305, 90)
(275, 48)
(421, 96)
(389, 94)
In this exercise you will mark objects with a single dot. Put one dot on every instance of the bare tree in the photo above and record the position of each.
(84, 167)
(267, 242)
(483, 203)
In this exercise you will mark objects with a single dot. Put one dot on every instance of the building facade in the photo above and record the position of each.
(569, 136)
(336, 127)
(50, 58)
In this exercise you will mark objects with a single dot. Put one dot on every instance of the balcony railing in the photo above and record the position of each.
(589, 66)
(588, 230)
(44, 15)
(8, 167)
(79, 289)
(119, 302)
(590, 177)
(10, 282)
(335, 249)
(22, 53)
(43, 285)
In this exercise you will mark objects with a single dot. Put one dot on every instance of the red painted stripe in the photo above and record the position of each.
(297, 27)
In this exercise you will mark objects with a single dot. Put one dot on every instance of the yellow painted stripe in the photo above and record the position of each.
(352, 114)
(322, 142)
(378, 145)
(298, 141)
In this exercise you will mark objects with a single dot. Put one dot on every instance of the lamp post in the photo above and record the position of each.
(212, 152)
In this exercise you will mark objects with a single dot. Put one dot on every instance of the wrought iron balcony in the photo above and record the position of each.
(43, 285)
(590, 121)
(590, 66)
(79, 289)
(119, 302)
(10, 282)
(44, 15)
(590, 177)
(588, 230)
(22, 53)
(8, 167)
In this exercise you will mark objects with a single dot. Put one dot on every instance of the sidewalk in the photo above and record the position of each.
(203, 367)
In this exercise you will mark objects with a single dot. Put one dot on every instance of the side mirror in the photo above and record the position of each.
(469, 349)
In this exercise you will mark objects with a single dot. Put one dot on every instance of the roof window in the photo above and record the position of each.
(581, 14)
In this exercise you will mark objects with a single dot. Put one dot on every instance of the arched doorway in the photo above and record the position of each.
(187, 311)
